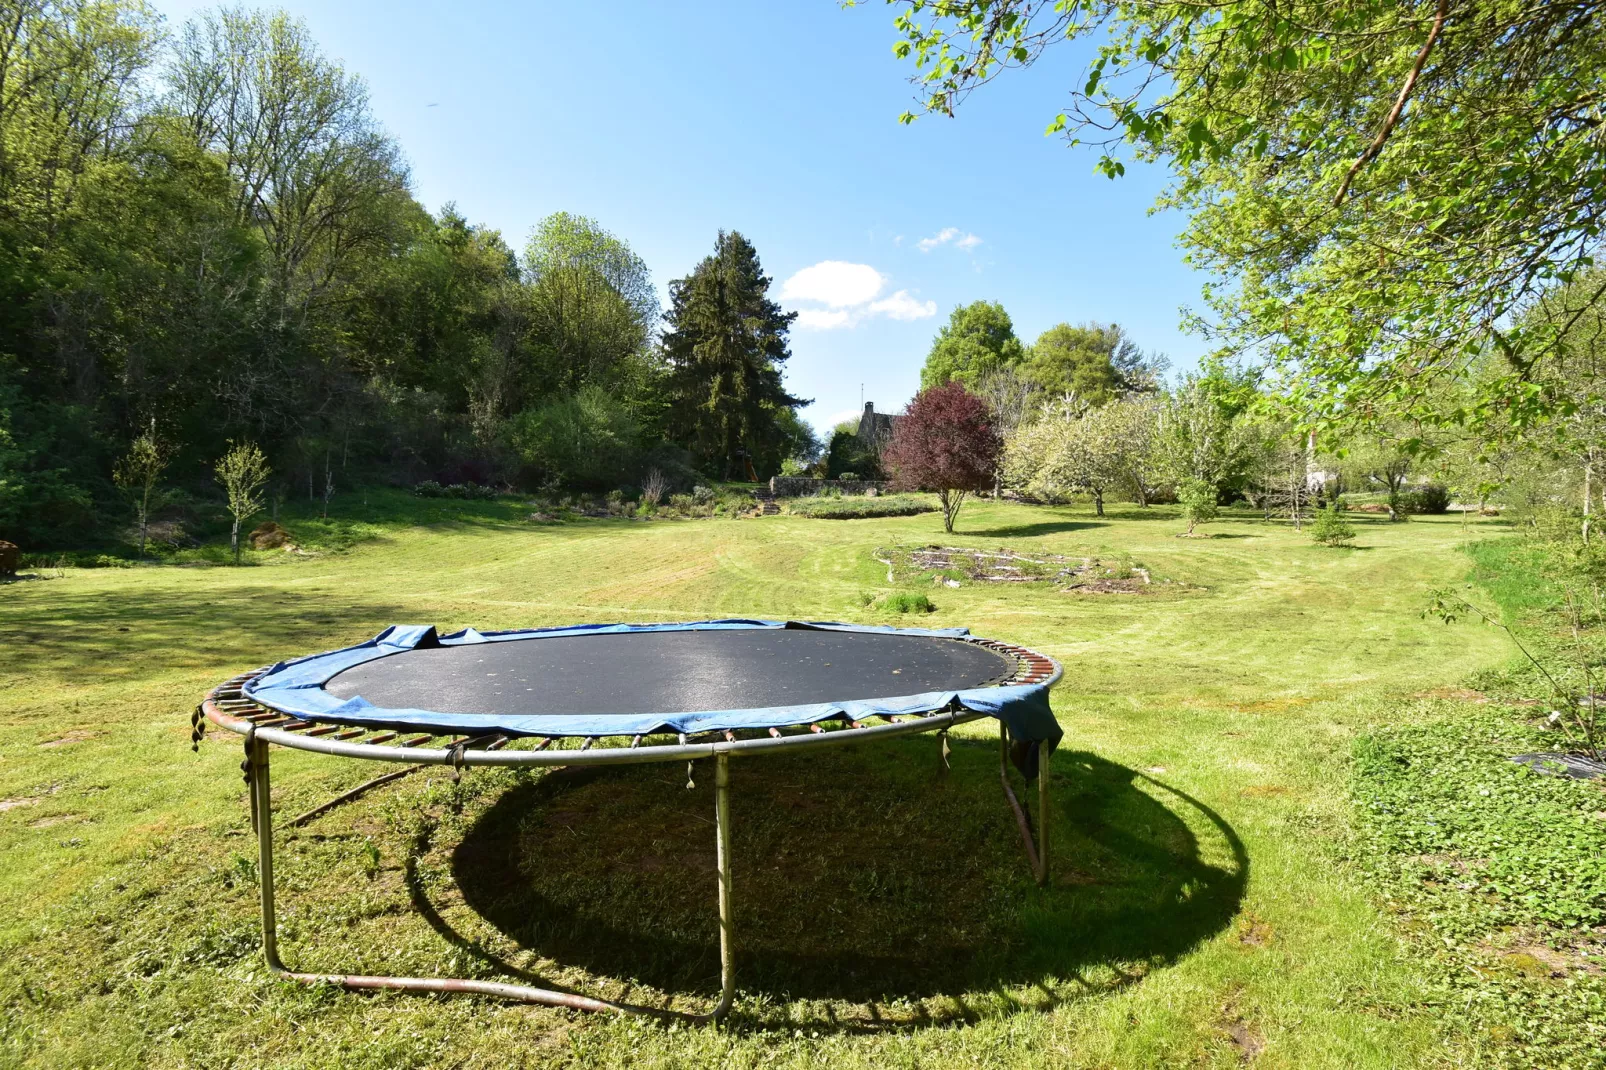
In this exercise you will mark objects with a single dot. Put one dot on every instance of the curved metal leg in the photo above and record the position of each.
(262, 815)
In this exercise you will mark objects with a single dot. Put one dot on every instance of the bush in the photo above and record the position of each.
(905, 602)
(585, 439)
(1330, 528)
(1198, 500)
(702, 495)
(826, 508)
(466, 491)
(1432, 499)
(849, 477)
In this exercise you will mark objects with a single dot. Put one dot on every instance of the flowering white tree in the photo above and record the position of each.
(1071, 448)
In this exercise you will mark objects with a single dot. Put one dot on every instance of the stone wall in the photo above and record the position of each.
(804, 487)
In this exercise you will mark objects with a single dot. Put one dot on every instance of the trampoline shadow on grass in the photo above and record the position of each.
(860, 874)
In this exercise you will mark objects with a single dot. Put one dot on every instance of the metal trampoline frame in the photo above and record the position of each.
(262, 727)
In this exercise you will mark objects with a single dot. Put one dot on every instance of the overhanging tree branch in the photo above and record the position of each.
(1393, 118)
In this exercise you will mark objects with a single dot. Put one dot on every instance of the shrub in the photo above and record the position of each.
(1331, 529)
(702, 495)
(906, 602)
(1198, 500)
(1432, 499)
(828, 508)
(849, 477)
(585, 439)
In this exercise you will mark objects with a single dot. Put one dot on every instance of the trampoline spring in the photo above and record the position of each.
(545, 743)
(730, 737)
(416, 740)
(323, 730)
(351, 733)
(776, 733)
(499, 742)
(383, 737)
(635, 741)
(815, 727)
(586, 745)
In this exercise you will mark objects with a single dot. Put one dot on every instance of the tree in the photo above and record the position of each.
(1198, 500)
(944, 442)
(1202, 433)
(847, 452)
(311, 167)
(1076, 448)
(137, 475)
(592, 302)
(242, 473)
(1387, 185)
(978, 340)
(1283, 478)
(724, 347)
(1094, 361)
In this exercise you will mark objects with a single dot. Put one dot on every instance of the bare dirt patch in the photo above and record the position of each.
(19, 802)
(956, 566)
(52, 820)
(1253, 930)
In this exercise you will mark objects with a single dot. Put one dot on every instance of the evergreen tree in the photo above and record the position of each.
(724, 345)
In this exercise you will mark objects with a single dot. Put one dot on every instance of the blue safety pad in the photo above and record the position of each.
(296, 687)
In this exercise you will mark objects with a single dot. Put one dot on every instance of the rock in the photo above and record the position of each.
(1575, 766)
(269, 536)
(10, 558)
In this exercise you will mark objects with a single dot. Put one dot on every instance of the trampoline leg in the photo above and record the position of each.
(1043, 754)
(722, 854)
(1036, 852)
(262, 811)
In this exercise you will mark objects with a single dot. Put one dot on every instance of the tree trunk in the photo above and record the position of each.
(1589, 490)
(234, 540)
(1098, 502)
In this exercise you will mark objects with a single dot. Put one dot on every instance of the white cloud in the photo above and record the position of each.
(958, 237)
(822, 319)
(903, 306)
(836, 294)
(836, 283)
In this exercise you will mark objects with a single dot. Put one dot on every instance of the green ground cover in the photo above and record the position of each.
(1205, 908)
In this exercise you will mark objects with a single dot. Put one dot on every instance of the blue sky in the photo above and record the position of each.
(777, 118)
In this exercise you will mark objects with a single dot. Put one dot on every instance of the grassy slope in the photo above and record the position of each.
(1206, 731)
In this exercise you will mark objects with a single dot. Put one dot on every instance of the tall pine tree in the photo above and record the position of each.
(725, 344)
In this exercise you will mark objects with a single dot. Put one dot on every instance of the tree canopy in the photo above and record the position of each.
(725, 344)
(946, 441)
(1382, 189)
(978, 339)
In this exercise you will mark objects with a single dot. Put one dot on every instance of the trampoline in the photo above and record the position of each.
(623, 694)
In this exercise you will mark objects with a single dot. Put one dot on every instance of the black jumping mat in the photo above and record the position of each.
(669, 672)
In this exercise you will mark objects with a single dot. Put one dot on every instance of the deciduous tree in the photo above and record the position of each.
(977, 341)
(1385, 186)
(946, 442)
(242, 473)
(138, 474)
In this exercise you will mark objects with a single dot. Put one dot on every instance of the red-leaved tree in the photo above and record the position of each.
(946, 442)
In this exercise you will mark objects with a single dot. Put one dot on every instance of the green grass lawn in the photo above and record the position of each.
(1202, 911)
